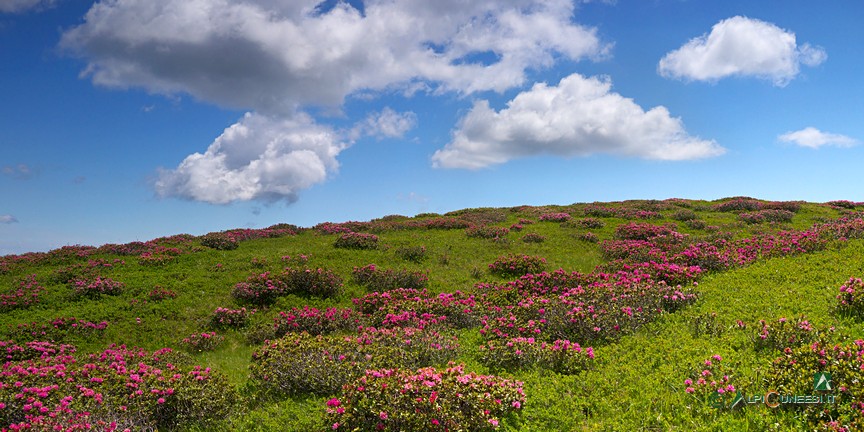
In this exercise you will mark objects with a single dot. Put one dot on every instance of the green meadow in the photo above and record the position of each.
(742, 293)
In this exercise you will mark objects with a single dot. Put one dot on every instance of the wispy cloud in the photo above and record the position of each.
(19, 172)
(19, 6)
(8, 219)
(814, 138)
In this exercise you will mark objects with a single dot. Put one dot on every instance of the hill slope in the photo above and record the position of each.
(656, 289)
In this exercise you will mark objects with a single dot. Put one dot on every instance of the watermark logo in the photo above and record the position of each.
(773, 399)
(822, 381)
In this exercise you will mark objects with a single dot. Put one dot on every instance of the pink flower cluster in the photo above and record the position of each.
(26, 295)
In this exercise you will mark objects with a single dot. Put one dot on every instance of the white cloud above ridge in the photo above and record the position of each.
(277, 58)
(578, 117)
(741, 46)
(811, 137)
(258, 158)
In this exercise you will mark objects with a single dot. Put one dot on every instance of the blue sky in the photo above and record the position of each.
(132, 119)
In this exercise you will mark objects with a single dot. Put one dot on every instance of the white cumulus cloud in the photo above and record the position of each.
(18, 6)
(814, 138)
(277, 58)
(258, 158)
(271, 56)
(741, 46)
(580, 116)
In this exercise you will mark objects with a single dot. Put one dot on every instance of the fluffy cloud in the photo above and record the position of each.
(814, 138)
(16, 6)
(274, 56)
(258, 158)
(580, 116)
(741, 46)
(277, 58)
(8, 219)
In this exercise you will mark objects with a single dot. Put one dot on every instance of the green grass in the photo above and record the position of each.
(636, 382)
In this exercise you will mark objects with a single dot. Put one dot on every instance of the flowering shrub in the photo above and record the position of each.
(158, 294)
(696, 224)
(411, 253)
(851, 297)
(205, 341)
(301, 363)
(381, 280)
(25, 296)
(846, 204)
(418, 308)
(785, 333)
(792, 373)
(428, 399)
(590, 222)
(265, 288)
(588, 237)
(353, 240)
(316, 282)
(711, 377)
(159, 255)
(738, 204)
(315, 322)
(533, 238)
(116, 389)
(555, 217)
(442, 223)
(219, 241)
(57, 329)
(562, 356)
(643, 231)
(234, 318)
(767, 216)
(95, 287)
(684, 215)
(261, 288)
(517, 265)
(486, 232)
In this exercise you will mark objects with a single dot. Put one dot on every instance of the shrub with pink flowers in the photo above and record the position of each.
(533, 238)
(643, 231)
(844, 204)
(315, 321)
(119, 388)
(766, 216)
(738, 204)
(562, 356)
(851, 297)
(784, 333)
(517, 265)
(262, 288)
(427, 399)
(414, 254)
(93, 288)
(158, 294)
(317, 282)
(58, 329)
(26, 295)
(219, 241)
(355, 240)
(302, 363)
(204, 341)
(590, 222)
(711, 377)
(486, 232)
(377, 279)
(233, 318)
(419, 308)
(555, 217)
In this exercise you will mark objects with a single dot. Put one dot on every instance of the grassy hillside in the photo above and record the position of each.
(737, 261)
